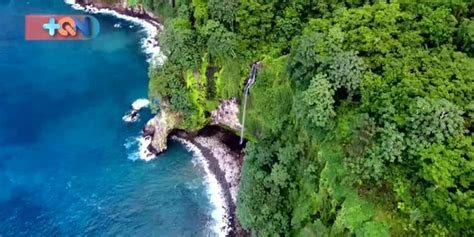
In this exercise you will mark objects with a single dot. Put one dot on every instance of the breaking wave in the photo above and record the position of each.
(221, 225)
(140, 104)
(149, 43)
(137, 148)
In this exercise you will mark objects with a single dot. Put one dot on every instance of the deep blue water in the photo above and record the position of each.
(64, 169)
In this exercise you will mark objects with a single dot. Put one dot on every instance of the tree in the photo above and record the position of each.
(224, 11)
(255, 19)
(346, 70)
(316, 104)
(392, 156)
(304, 60)
(261, 203)
(167, 82)
(221, 43)
(200, 12)
(432, 122)
(179, 43)
(465, 37)
(437, 25)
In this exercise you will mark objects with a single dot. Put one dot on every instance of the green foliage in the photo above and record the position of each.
(304, 59)
(437, 25)
(168, 83)
(255, 20)
(179, 43)
(230, 80)
(360, 121)
(200, 11)
(432, 122)
(465, 38)
(224, 11)
(262, 202)
(272, 82)
(373, 229)
(346, 70)
(316, 104)
(131, 2)
(443, 199)
(221, 43)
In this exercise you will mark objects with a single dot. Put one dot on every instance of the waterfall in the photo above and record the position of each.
(249, 83)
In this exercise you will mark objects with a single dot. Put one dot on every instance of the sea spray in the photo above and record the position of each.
(132, 145)
(140, 104)
(220, 213)
(227, 162)
(145, 154)
(150, 46)
(137, 148)
(149, 43)
(133, 115)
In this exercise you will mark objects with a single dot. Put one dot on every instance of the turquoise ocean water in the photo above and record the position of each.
(66, 158)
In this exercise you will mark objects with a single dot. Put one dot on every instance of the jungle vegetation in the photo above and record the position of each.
(361, 118)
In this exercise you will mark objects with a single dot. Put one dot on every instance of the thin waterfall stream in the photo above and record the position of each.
(250, 82)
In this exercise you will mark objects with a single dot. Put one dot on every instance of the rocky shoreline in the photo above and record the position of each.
(220, 147)
(222, 151)
(121, 8)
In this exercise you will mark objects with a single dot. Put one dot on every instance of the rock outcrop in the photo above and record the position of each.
(158, 128)
(227, 114)
(121, 6)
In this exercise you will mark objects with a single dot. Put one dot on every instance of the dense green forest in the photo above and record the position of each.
(361, 118)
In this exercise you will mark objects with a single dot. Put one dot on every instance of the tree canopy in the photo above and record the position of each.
(360, 121)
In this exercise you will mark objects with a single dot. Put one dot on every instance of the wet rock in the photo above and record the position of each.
(159, 127)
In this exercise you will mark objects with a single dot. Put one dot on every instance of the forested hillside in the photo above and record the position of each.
(361, 118)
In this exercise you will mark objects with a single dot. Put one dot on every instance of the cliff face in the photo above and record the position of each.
(121, 6)
(159, 127)
(227, 114)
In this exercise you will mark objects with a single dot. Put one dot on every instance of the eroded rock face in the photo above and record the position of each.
(158, 128)
(227, 114)
(121, 6)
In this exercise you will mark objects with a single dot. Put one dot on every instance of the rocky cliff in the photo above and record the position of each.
(159, 127)
(227, 114)
(122, 7)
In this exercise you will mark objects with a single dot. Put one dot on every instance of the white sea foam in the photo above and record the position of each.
(128, 118)
(117, 25)
(227, 162)
(221, 225)
(149, 43)
(151, 48)
(131, 145)
(137, 148)
(139, 104)
(145, 154)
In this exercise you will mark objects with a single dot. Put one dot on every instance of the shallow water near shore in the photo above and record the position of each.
(66, 157)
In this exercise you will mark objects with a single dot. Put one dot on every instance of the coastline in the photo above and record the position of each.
(203, 143)
(207, 141)
(142, 14)
(150, 24)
